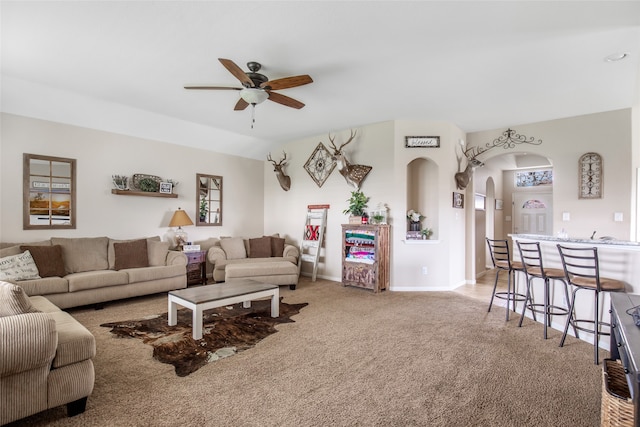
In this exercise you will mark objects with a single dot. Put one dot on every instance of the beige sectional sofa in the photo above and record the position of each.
(267, 259)
(45, 357)
(91, 270)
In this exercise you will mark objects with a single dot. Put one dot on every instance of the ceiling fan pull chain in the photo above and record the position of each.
(253, 114)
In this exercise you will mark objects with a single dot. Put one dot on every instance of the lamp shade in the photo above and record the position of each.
(254, 95)
(179, 219)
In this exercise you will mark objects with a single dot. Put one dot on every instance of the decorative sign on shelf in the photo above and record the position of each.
(422, 141)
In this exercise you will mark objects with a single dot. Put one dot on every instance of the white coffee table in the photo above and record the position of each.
(202, 298)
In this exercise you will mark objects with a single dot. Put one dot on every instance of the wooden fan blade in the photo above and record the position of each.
(285, 100)
(241, 105)
(288, 82)
(213, 87)
(237, 72)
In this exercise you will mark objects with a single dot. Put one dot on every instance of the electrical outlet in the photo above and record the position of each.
(424, 270)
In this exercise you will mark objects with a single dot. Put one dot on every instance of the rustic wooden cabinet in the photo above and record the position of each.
(365, 256)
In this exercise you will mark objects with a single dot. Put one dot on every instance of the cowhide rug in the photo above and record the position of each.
(225, 331)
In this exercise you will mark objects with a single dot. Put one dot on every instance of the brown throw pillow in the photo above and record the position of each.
(260, 247)
(277, 246)
(131, 254)
(48, 259)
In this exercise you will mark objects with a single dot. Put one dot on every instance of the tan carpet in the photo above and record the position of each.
(352, 358)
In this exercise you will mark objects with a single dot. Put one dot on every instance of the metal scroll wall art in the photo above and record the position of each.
(508, 140)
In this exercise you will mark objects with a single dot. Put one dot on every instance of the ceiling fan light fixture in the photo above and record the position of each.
(254, 95)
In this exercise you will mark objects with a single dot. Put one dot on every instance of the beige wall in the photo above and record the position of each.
(102, 154)
(564, 141)
(254, 203)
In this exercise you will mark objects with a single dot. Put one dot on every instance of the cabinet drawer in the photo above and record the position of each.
(195, 257)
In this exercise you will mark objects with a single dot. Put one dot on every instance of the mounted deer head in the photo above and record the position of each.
(283, 179)
(464, 177)
(353, 174)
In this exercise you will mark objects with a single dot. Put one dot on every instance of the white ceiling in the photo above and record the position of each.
(120, 66)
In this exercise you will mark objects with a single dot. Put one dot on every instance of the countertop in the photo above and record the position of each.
(586, 240)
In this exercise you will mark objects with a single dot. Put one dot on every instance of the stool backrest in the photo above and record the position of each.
(500, 254)
(580, 262)
(531, 257)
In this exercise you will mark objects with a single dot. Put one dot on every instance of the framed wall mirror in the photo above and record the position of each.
(209, 202)
(49, 192)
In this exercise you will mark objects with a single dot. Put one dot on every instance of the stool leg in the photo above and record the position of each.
(546, 307)
(566, 294)
(495, 284)
(596, 330)
(527, 300)
(509, 273)
(569, 317)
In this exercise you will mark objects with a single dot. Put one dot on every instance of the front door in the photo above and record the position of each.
(533, 213)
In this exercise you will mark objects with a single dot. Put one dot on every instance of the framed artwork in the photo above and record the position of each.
(320, 164)
(590, 179)
(422, 141)
(166, 188)
(498, 204)
(458, 200)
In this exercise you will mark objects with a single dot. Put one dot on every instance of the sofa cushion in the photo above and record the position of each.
(277, 246)
(96, 279)
(14, 300)
(83, 253)
(45, 286)
(75, 342)
(260, 247)
(234, 248)
(18, 267)
(137, 275)
(48, 259)
(157, 253)
(131, 254)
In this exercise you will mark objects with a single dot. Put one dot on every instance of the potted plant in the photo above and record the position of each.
(357, 204)
(426, 233)
(203, 209)
(414, 219)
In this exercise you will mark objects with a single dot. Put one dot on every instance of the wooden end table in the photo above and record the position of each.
(196, 267)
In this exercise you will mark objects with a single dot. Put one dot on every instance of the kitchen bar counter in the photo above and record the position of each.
(618, 260)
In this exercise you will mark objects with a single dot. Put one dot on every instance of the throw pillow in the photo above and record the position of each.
(13, 300)
(48, 260)
(260, 247)
(234, 248)
(277, 246)
(311, 232)
(131, 254)
(157, 252)
(18, 267)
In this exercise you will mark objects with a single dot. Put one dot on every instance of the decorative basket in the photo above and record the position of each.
(355, 220)
(617, 405)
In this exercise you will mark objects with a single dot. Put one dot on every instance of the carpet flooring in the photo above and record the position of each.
(352, 358)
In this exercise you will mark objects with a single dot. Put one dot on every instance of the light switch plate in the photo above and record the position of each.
(617, 216)
(566, 216)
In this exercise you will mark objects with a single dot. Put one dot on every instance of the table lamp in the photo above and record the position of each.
(179, 219)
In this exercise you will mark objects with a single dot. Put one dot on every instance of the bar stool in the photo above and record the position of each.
(531, 258)
(582, 271)
(501, 258)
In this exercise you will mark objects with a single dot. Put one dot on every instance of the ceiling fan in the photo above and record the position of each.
(257, 88)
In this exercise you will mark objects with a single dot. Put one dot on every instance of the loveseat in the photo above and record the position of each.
(266, 259)
(72, 272)
(45, 357)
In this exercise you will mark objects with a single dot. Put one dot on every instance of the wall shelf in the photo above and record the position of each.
(143, 193)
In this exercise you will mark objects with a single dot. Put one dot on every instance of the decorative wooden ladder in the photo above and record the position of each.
(313, 236)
